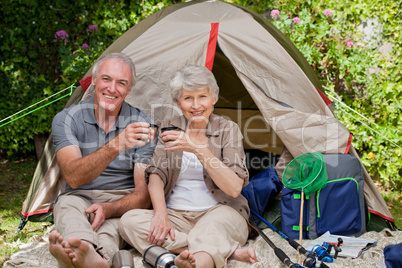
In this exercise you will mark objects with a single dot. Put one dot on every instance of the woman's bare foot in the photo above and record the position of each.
(83, 254)
(57, 249)
(185, 260)
(244, 254)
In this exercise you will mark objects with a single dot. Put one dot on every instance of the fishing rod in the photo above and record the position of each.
(310, 260)
(278, 252)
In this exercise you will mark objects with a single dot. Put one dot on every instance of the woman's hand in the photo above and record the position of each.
(180, 140)
(160, 228)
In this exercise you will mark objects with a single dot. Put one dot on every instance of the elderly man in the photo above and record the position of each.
(102, 148)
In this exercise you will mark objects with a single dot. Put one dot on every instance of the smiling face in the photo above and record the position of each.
(112, 85)
(196, 106)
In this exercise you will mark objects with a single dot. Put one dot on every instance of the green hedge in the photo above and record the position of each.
(45, 47)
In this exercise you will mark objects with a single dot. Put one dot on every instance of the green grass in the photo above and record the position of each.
(15, 179)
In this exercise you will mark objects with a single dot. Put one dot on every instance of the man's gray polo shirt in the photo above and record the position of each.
(77, 125)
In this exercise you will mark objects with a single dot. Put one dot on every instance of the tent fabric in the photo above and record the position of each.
(266, 85)
(46, 185)
(374, 201)
(85, 82)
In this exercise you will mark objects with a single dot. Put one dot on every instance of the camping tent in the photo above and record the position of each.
(266, 84)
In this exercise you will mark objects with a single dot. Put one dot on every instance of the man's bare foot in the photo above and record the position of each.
(83, 254)
(185, 260)
(244, 254)
(57, 249)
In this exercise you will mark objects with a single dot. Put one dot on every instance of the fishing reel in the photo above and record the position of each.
(323, 253)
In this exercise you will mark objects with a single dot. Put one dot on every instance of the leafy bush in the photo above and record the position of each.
(46, 46)
(364, 83)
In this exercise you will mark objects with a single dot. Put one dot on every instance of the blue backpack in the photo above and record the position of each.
(339, 207)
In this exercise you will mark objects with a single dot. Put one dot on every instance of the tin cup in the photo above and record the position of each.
(169, 129)
(151, 138)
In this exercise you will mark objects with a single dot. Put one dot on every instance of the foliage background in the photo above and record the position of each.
(363, 78)
(35, 64)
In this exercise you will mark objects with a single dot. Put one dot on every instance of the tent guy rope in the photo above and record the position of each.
(71, 88)
(332, 96)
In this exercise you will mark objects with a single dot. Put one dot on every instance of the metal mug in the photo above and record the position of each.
(155, 256)
(123, 259)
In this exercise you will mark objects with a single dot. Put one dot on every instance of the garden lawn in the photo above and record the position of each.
(15, 179)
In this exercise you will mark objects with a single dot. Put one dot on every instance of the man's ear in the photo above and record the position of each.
(129, 91)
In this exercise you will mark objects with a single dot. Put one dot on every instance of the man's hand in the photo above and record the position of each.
(135, 134)
(99, 217)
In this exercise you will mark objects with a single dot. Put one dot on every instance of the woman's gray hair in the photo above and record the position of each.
(193, 77)
(123, 58)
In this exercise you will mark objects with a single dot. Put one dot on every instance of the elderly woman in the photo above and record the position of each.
(195, 179)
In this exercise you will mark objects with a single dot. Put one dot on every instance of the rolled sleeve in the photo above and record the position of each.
(143, 154)
(158, 164)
